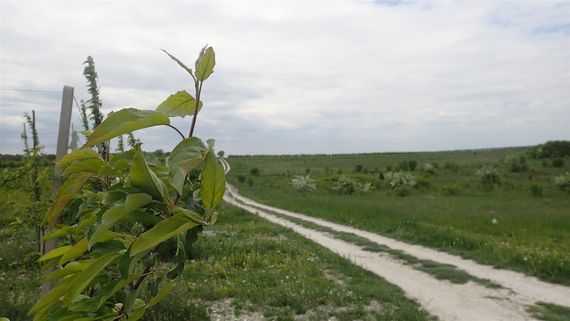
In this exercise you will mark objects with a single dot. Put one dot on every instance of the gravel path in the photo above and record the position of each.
(444, 299)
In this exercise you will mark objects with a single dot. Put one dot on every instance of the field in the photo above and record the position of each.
(520, 220)
(243, 268)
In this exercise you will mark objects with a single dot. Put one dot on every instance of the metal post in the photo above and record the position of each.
(62, 146)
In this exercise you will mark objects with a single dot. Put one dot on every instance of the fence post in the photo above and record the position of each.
(62, 146)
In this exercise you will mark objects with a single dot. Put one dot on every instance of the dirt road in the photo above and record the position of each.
(448, 301)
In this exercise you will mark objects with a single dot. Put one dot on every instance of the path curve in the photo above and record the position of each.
(444, 299)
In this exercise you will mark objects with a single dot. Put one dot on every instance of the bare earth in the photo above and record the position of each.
(446, 300)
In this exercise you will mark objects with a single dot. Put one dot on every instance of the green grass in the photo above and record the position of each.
(550, 312)
(531, 234)
(241, 265)
(440, 271)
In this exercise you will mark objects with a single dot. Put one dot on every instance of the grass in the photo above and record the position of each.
(440, 271)
(242, 265)
(549, 312)
(506, 226)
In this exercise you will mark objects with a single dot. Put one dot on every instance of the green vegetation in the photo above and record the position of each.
(521, 223)
(550, 312)
(126, 224)
(242, 265)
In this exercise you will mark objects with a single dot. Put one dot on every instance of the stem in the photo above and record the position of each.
(176, 129)
(196, 104)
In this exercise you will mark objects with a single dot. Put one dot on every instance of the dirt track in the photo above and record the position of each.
(448, 301)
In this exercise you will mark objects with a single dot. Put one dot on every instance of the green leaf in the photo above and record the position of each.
(161, 295)
(117, 213)
(180, 104)
(188, 152)
(205, 64)
(79, 154)
(179, 63)
(213, 182)
(62, 231)
(65, 194)
(162, 231)
(143, 178)
(188, 214)
(125, 121)
(88, 165)
(57, 252)
(82, 280)
(43, 304)
(71, 268)
(75, 251)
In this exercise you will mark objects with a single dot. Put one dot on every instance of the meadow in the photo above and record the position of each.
(517, 219)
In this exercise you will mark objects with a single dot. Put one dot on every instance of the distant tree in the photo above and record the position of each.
(221, 154)
(132, 140)
(120, 144)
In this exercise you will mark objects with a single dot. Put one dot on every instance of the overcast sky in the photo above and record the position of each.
(301, 76)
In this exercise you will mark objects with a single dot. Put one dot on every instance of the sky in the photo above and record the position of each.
(300, 76)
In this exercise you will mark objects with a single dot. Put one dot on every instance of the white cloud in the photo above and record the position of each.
(306, 76)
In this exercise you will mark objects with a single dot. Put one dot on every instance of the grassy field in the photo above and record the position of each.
(521, 222)
(241, 266)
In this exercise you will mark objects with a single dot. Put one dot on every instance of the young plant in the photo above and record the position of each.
(114, 262)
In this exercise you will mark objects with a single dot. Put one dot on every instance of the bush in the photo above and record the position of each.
(303, 183)
(400, 180)
(558, 162)
(348, 185)
(488, 174)
(254, 171)
(428, 168)
(563, 182)
(241, 178)
(450, 166)
(358, 168)
(517, 164)
(558, 148)
(408, 165)
(536, 190)
(250, 182)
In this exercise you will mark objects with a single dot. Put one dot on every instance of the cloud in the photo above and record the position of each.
(301, 77)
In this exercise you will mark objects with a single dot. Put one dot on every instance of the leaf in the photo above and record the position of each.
(125, 121)
(188, 214)
(180, 104)
(82, 280)
(205, 64)
(75, 251)
(57, 252)
(70, 187)
(161, 295)
(62, 231)
(188, 150)
(79, 154)
(179, 63)
(117, 213)
(50, 298)
(88, 165)
(71, 268)
(213, 183)
(143, 178)
(162, 231)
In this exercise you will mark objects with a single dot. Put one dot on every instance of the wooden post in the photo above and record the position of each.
(62, 146)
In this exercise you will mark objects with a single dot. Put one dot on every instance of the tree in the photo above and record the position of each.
(115, 267)
(221, 154)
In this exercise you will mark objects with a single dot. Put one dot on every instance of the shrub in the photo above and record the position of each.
(428, 168)
(488, 174)
(250, 182)
(558, 162)
(400, 179)
(303, 183)
(516, 164)
(348, 185)
(558, 148)
(563, 181)
(358, 168)
(536, 190)
(408, 165)
(241, 178)
(254, 171)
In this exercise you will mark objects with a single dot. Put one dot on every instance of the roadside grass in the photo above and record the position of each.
(505, 226)
(241, 266)
(255, 268)
(438, 270)
(549, 312)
